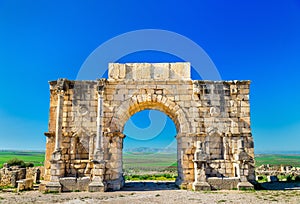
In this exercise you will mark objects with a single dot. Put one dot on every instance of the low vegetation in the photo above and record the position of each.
(151, 166)
(6, 187)
(36, 158)
(20, 163)
(277, 160)
(159, 177)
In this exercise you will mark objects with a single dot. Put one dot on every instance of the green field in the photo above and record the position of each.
(277, 159)
(140, 161)
(37, 158)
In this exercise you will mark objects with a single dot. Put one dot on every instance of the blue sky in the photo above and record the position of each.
(46, 40)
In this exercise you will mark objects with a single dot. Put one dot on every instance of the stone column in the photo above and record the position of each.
(57, 165)
(200, 160)
(243, 159)
(97, 184)
(58, 125)
(98, 153)
(225, 148)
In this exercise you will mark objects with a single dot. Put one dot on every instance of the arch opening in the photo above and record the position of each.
(152, 102)
(150, 147)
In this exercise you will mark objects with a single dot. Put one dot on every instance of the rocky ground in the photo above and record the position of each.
(150, 192)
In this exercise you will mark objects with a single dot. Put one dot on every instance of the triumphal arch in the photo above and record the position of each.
(87, 118)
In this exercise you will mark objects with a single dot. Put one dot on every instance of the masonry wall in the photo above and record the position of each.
(215, 113)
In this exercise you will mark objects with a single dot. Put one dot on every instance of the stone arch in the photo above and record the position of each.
(214, 113)
(140, 102)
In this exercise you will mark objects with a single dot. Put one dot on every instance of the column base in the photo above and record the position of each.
(99, 155)
(56, 156)
(201, 186)
(53, 187)
(97, 186)
(245, 185)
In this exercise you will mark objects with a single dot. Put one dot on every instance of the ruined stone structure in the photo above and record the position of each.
(87, 118)
(11, 175)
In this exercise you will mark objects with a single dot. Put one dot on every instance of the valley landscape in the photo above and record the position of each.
(150, 177)
(152, 161)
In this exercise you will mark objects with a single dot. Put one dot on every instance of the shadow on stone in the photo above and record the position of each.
(280, 185)
(149, 186)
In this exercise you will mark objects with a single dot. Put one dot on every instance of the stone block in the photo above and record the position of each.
(25, 184)
(53, 187)
(245, 186)
(68, 184)
(223, 183)
(180, 71)
(201, 186)
(83, 183)
(160, 71)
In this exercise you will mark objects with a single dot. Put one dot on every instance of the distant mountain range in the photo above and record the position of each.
(150, 150)
(277, 152)
(166, 150)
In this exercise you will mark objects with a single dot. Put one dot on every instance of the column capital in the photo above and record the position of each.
(61, 86)
(101, 85)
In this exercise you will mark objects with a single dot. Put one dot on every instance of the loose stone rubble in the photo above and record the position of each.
(275, 171)
(87, 118)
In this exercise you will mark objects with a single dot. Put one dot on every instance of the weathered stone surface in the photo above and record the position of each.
(245, 185)
(10, 175)
(25, 184)
(223, 183)
(87, 118)
(68, 183)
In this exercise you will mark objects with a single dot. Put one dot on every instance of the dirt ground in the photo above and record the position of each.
(148, 192)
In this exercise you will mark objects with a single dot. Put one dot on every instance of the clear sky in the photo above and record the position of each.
(46, 40)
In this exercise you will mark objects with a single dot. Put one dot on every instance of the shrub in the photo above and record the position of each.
(289, 178)
(16, 162)
(297, 178)
(262, 179)
(30, 164)
(19, 162)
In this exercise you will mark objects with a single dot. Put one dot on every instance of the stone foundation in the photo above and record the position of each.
(223, 183)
